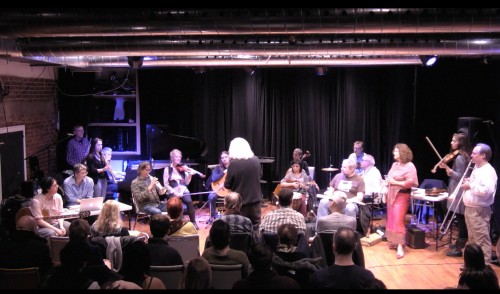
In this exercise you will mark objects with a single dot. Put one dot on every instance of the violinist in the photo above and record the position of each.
(176, 178)
(460, 156)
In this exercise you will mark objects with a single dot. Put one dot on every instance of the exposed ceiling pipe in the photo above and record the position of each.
(196, 22)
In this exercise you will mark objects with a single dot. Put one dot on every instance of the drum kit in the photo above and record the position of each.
(329, 169)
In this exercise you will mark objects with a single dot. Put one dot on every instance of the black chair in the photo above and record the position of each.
(170, 275)
(238, 241)
(323, 246)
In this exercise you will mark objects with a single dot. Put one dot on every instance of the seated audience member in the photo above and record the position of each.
(25, 248)
(220, 253)
(161, 252)
(197, 276)
(290, 262)
(283, 215)
(337, 218)
(178, 226)
(109, 221)
(146, 190)
(136, 264)
(237, 222)
(49, 203)
(69, 275)
(263, 276)
(476, 274)
(78, 186)
(343, 274)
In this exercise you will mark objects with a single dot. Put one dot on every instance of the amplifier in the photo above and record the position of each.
(415, 237)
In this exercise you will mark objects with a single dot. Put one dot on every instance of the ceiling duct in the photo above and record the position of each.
(83, 37)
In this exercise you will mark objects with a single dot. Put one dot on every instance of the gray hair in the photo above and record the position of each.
(369, 158)
(240, 149)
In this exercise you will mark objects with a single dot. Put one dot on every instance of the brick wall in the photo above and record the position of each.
(32, 102)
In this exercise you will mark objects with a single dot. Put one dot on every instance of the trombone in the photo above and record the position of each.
(447, 221)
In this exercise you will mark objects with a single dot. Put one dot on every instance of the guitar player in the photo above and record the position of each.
(216, 180)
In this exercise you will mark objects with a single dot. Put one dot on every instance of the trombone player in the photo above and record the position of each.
(479, 193)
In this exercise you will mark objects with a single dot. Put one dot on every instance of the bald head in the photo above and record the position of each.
(27, 223)
(338, 202)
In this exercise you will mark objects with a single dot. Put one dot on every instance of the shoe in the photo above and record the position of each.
(196, 226)
(456, 252)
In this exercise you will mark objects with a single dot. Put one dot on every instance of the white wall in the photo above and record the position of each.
(24, 70)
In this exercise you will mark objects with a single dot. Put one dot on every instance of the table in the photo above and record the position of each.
(75, 209)
(429, 201)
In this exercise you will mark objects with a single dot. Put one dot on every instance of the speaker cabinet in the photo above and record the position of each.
(415, 237)
(470, 126)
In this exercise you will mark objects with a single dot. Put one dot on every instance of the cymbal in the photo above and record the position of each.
(329, 169)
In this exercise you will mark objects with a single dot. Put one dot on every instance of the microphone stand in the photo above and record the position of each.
(48, 152)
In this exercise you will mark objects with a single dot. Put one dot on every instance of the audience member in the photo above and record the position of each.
(77, 148)
(336, 219)
(136, 266)
(219, 252)
(146, 190)
(109, 221)
(25, 248)
(263, 276)
(49, 203)
(79, 185)
(283, 215)
(343, 274)
(197, 276)
(237, 222)
(178, 226)
(161, 252)
(69, 275)
(476, 274)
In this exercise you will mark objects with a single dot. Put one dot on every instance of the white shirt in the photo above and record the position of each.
(373, 179)
(483, 185)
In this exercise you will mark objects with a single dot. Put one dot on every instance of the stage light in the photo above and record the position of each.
(428, 60)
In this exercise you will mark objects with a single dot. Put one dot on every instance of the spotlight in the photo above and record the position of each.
(428, 60)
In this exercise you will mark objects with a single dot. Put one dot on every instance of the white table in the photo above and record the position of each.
(432, 200)
(75, 209)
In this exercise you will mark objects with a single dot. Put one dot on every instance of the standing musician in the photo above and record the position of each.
(176, 178)
(217, 174)
(478, 197)
(459, 153)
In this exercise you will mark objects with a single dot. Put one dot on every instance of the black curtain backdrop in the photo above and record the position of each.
(278, 109)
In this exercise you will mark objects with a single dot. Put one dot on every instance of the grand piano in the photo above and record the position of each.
(159, 144)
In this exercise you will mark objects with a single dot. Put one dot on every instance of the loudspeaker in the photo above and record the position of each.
(415, 237)
(470, 126)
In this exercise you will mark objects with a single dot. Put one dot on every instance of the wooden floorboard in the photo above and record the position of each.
(419, 269)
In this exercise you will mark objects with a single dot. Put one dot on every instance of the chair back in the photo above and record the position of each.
(238, 241)
(138, 214)
(188, 246)
(225, 275)
(19, 278)
(56, 244)
(170, 275)
(311, 172)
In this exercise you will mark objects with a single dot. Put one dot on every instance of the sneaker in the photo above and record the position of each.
(456, 252)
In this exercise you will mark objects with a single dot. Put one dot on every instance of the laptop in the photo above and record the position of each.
(91, 204)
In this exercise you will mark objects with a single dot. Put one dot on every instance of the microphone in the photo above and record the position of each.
(70, 134)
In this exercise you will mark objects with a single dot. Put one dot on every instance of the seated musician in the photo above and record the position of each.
(176, 178)
(298, 181)
(49, 204)
(217, 174)
(79, 185)
(349, 182)
(146, 190)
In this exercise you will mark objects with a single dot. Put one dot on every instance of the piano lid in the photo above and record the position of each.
(160, 142)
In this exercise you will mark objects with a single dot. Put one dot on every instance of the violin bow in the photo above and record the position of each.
(433, 148)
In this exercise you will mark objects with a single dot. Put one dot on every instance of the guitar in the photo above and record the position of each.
(81, 214)
(218, 187)
(279, 187)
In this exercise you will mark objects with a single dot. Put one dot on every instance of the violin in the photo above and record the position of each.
(305, 155)
(446, 159)
(182, 167)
